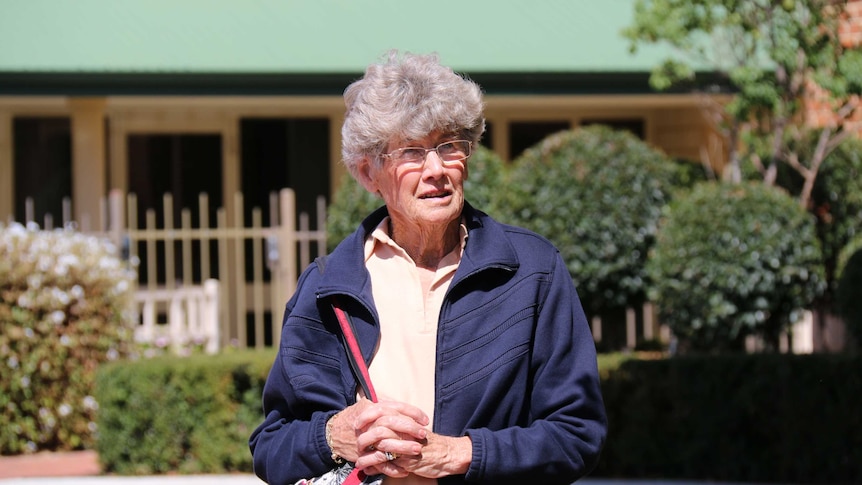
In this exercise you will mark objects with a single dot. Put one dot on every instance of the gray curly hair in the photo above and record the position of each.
(406, 97)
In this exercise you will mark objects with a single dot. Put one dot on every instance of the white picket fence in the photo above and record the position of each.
(192, 320)
(225, 306)
(198, 303)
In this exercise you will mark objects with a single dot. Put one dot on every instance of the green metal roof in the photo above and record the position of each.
(308, 46)
(321, 36)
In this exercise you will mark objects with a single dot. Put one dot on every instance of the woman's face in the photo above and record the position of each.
(425, 194)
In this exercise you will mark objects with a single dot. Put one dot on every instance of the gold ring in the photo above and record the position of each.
(390, 456)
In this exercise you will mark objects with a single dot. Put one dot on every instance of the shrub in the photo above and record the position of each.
(689, 173)
(597, 194)
(189, 415)
(762, 418)
(180, 414)
(731, 261)
(486, 182)
(351, 203)
(63, 299)
(740, 418)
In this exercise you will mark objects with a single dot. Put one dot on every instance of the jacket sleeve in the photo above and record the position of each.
(568, 425)
(302, 391)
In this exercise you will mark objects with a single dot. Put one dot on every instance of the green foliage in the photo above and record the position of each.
(351, 203)
(836, 199)
(63, 303)
(670, 72)
(189, 414)
(731, 261)
(765, 418)
(180, 414)
(597, 194)
(850, 67)
(849, 288)
(486, 182)
(688, 174)
(720, 418)
(772, 52)
(755, 43)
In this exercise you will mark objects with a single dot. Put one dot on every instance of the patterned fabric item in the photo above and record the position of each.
(339, 476)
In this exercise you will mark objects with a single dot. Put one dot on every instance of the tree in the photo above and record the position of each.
(781, 56)
(836, 201)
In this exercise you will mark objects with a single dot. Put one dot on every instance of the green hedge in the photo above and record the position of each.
(175, 414)
(759, 418)
(743, 418)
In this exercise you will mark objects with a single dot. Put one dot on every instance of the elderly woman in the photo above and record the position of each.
(475, 338)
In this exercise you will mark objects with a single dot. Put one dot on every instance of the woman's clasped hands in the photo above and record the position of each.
(392, 438)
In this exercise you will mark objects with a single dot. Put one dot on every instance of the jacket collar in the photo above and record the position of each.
(487, 247)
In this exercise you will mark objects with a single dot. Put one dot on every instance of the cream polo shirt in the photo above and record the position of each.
(403, 365)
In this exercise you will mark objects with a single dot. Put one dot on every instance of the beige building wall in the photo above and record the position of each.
(678, 125)
(687, 133)
(88, 160)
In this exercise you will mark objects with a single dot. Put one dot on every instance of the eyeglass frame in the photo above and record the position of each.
(421, 161)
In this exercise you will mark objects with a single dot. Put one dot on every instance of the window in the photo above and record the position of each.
(284, 152)
(524, 134)
(487, 139)
(43, 167)
(183, 166)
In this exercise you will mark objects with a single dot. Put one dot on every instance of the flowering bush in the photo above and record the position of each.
(64, 301)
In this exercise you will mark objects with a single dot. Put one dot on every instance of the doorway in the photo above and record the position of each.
(184, 166)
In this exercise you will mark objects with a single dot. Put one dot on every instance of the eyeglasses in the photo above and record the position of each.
(450, 151)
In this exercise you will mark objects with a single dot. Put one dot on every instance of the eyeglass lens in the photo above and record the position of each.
(451, 151)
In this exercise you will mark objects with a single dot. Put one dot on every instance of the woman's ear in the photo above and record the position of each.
(366, 175)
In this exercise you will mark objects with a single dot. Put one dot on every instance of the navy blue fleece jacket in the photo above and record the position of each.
(516, 363)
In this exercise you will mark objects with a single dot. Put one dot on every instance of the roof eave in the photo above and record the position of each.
(317, 84)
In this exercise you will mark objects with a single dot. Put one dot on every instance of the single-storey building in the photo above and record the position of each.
(226, 96)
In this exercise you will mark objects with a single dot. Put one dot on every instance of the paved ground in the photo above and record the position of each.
(154, 480)
(61, 464)
(252, 480)
(82, 468)
(240, 479)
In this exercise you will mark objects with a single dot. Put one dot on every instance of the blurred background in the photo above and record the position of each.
(167, 168)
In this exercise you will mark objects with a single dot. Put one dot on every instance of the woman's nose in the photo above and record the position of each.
(433, 162)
